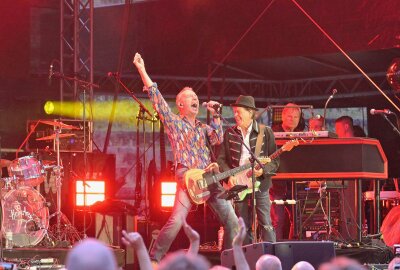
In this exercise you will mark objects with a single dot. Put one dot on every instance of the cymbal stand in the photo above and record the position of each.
(84, 85)
(58, 172)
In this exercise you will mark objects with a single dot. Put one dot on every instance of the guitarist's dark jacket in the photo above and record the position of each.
(231, 148)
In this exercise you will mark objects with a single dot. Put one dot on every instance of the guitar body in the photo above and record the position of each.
(196, 185)
(198, 181)
(241, 178)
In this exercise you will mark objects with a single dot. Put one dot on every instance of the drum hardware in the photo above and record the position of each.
(4, 163)
(58, 171)
(58, 124)
(52, 137)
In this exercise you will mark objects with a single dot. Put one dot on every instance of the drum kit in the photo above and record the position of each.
(25, 212)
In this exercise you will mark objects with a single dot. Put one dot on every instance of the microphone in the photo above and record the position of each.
(334, 91)
(376, 112)
(216, 106)
(113, 74)
(51, 73)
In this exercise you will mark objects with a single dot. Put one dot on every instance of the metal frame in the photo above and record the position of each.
(76, 45)
(298, 90)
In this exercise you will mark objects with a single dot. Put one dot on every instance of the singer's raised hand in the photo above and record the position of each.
(138, 61)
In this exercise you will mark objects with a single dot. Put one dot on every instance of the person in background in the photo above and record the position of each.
(291, 122)
(316, 123)
(91, 254)
(268, 262)
(344, 127)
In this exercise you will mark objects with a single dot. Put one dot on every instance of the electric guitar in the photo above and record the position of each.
(244, 178)
(198, 181)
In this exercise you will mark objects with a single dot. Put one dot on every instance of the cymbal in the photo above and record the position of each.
(4, 162)
(52, 137)
(48, 162)
(58, 124)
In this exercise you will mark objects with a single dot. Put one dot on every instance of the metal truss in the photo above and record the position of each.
(76, 45)
(302, 90)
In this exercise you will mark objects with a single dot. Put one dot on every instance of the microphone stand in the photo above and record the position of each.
(334, 91)
(140, 117)
(390, 122)
(252, 160)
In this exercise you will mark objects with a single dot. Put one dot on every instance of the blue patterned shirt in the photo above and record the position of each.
(188, 143)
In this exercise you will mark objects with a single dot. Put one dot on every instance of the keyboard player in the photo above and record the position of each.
(292, 121)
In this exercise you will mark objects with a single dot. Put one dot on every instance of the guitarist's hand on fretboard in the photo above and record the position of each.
(258, 172)
(213, 167)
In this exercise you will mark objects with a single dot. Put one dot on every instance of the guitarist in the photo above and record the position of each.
(234, 154)
(188, 138)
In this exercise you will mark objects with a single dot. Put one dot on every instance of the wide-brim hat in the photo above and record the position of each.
(245, 102)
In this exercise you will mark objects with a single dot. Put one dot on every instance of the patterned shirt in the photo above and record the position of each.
(188, 143)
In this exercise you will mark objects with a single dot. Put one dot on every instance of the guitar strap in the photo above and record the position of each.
(261, 129)
(210, 147)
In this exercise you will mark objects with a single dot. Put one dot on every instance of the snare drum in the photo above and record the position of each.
(25, 215)
(27, 170)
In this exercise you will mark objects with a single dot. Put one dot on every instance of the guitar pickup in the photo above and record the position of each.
(202, 195)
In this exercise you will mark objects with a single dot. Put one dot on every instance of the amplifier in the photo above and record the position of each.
(71, 135)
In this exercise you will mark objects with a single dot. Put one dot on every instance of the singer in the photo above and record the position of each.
(190, 141)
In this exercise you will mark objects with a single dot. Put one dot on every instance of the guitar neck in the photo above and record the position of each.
(231, 172)
(276, 154)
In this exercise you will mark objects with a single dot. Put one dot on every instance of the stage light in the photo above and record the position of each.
(97, 110)
(168, 191)
(89, 193)
(49, 107)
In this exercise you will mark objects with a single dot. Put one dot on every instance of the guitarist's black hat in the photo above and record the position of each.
(245, 102)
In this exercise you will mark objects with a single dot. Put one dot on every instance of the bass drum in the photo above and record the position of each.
(25, 215)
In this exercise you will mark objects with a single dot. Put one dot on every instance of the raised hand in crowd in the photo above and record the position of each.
(238, 254)
(135, 240)
(193, 237)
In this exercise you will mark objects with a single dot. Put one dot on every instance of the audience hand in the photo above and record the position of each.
(190, 233)
(240, 236)
(132, 239)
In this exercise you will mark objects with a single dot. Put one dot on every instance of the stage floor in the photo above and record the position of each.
(59, 254)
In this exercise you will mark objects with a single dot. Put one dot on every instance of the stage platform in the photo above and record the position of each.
(364, 254)
(60, 254)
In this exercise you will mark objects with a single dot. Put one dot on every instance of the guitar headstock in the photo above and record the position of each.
(288, 146)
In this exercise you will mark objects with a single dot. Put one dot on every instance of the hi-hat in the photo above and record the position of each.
(52, 137)
(58, 124)
(4, 163)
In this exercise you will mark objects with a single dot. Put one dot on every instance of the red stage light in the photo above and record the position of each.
(93, 191)
(168, 191)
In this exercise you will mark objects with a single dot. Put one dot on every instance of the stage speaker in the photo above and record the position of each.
(313, 252)
(288, 252)
(252, 252)
(109, 230)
